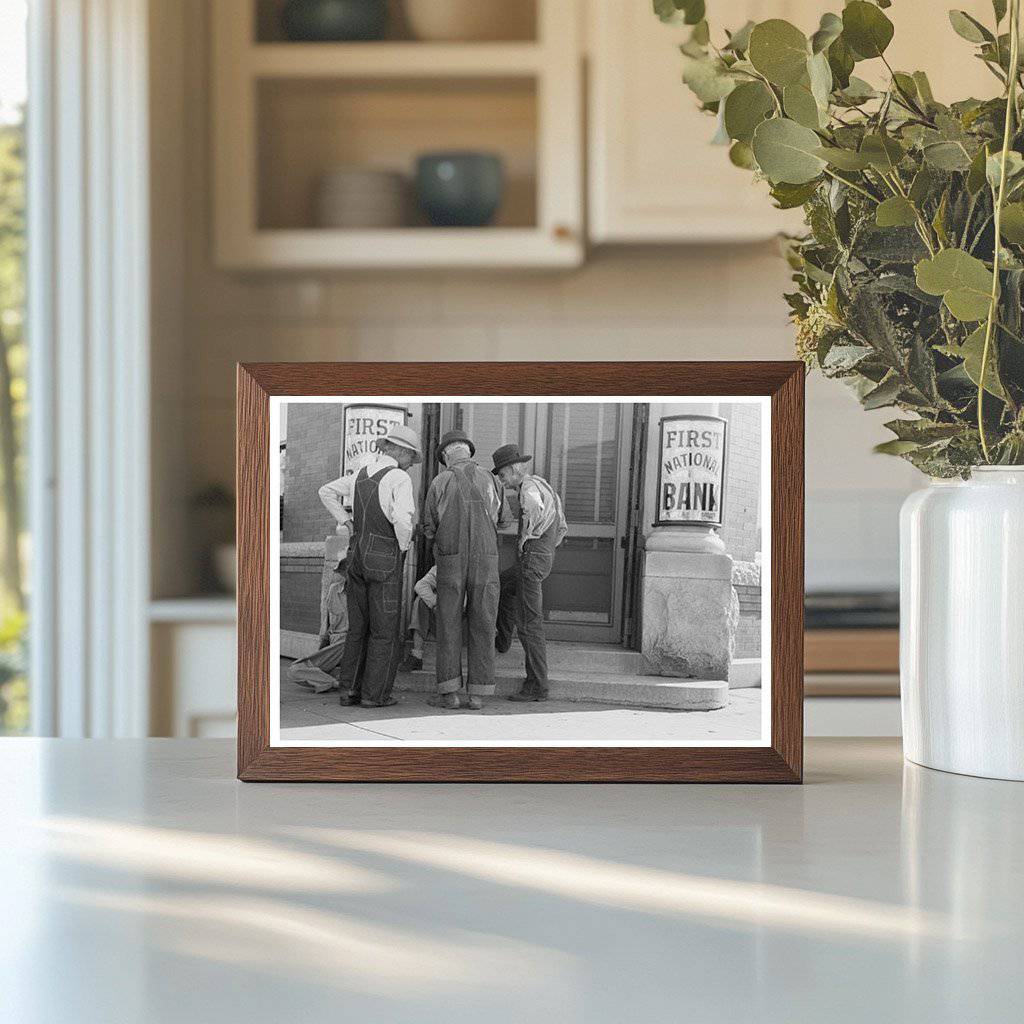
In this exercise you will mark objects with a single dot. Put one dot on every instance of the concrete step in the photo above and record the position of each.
(573, 657)
(620, 689)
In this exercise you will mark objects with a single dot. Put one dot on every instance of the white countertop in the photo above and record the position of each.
(140, 882)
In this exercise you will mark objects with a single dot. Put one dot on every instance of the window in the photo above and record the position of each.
(14, 697)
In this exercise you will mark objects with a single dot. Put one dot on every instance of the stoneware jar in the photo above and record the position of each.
(962, 624)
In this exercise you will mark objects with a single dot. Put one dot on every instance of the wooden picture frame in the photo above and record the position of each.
(780, 760)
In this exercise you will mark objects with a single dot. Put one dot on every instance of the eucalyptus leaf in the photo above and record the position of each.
(857, 91)
(999, 9)
(1012, 223)
(963, 281)
(819, 75)
(924, 87)
(708, 80)
(972, 351)
(844, 159)
(787, 152)
(788, 196)
(969, 28)
(922, 185)
(976, 174)
(883, 152)
(721, 136)
(745, 108)
(895, 212)
(741, 155)
(884, 395)
(895, 447)
(739, 41)
(841, 62)
(993, 167)
(866, 30)
(923, 431)
(947, 156)
(829, 30)
(690, 12)
(701, 34)
(801, 106)
(779, 51)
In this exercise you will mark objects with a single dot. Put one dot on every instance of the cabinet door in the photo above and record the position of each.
(654, 176)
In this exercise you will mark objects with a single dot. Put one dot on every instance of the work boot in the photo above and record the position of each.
(386, 703)
(502, 646)
(349, 700)
(411, 663)
(474, 703)
(527, 693)
(445, 701)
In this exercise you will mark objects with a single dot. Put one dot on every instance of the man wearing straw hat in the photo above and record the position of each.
(461, 515)
(541, 529)
(381, 524)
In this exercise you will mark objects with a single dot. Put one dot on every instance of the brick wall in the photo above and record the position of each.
(300, 593)
(741, 529)
(748, 631)
(314, 458)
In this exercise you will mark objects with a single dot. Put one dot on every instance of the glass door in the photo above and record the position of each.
(579, 451)
(582, 450)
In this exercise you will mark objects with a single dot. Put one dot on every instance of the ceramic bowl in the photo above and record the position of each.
(470, 20)
(460, 189)
(359, 197)
(332, 21)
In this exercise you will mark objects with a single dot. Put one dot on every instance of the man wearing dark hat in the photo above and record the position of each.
(541, 529)
(462, 512)
(381, 524)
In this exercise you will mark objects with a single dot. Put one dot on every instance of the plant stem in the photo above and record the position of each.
(853, 185)
(1011, 108)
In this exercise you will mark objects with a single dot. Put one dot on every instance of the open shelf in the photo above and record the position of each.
(520, 23)
(388, 60)
(308, 127)
(286, 114)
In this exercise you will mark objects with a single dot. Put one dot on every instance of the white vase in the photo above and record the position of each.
(962, 624)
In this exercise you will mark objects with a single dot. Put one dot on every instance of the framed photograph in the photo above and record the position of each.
(560, 572)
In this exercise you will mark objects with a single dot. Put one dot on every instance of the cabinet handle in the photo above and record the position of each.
(562, 232)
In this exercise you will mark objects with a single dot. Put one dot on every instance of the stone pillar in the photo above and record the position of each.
(690, 609)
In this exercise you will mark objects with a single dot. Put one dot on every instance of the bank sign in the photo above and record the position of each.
(691, 470)
(364, 424)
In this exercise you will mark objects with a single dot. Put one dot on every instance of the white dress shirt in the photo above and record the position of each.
(394, 491)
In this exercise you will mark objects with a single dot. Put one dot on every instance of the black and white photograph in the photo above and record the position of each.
(520, 571)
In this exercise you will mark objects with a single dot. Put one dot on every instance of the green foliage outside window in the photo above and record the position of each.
(13, 412)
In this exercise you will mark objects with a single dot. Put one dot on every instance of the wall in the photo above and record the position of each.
(717, 302)
(309, 466)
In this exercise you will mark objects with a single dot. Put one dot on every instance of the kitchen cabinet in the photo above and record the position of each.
(287, 114)
(654, 177)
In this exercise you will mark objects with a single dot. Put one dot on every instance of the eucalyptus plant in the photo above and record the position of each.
(910, 277)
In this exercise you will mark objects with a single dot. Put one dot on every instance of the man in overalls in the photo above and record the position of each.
(383, 513)
(462, 512)
(541, 529)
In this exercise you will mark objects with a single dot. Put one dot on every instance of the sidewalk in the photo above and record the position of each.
(308, 716)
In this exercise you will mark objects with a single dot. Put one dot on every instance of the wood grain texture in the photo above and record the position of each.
(781, 762)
